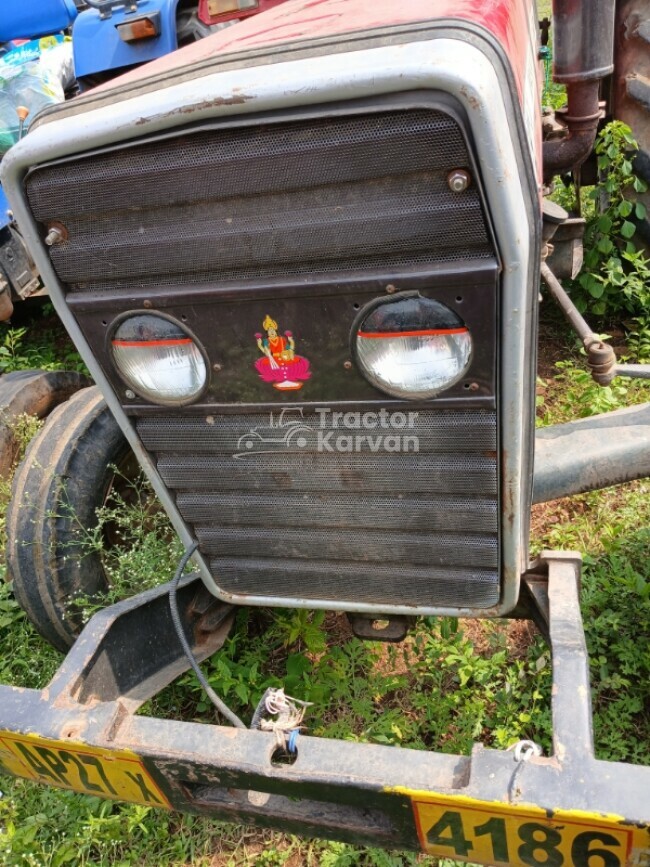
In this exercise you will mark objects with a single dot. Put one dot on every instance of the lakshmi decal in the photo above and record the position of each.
(280, 365)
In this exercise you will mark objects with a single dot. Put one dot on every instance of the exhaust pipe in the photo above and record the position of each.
(583, 49)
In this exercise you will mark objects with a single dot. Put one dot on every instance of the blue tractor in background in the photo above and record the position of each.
(108, 36)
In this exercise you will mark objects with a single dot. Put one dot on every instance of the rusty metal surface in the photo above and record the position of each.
(394, 628)
(565, 260)
(33, 392)
(582, 117)
(17, 266)
(583, 54)
(357, 792)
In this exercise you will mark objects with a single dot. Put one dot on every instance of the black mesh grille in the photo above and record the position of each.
(377, 584)
(294, 519)
(301, 197)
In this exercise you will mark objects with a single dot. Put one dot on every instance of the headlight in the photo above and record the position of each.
(412, 347)
(158, 359)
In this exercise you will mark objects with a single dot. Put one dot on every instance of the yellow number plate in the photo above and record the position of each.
(117, 774)
(491, 833)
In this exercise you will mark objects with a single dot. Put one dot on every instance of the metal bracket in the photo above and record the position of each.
(392, 627)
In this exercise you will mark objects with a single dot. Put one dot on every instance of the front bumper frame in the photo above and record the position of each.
(359, 793)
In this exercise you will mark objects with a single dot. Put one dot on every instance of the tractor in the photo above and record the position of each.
(336, 212)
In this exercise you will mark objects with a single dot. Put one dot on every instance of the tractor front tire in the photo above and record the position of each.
(65, 477)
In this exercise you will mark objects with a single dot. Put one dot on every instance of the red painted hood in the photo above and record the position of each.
(506, 20)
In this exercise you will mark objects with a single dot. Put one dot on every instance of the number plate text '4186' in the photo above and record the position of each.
(466, 829)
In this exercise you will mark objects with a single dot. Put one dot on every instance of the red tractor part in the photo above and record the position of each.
(218, 11)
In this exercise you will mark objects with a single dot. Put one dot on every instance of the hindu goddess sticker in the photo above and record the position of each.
(280, 365)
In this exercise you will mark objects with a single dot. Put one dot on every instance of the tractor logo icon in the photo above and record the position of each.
(287, 430)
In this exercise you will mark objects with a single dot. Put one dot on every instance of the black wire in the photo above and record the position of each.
(223, 708)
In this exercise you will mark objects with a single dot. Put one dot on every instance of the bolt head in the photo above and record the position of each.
(347, 365)
(458, 180)
(56, 233)
(129, 394)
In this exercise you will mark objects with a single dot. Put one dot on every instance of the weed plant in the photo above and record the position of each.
(614, 284)
(43, 348)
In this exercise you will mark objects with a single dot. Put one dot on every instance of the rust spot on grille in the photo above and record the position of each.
(471, 99)
(235, 99)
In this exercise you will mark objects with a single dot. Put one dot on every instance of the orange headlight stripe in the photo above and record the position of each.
(427, 332)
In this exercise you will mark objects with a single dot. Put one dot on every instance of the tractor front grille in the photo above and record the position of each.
(383, 528)
(297, 198)
(307, 220)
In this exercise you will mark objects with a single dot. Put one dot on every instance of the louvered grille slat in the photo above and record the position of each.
(424, 549)
(443, 474)
(301, 197)
(392, 584)
(442, 431)
(389, 528)
(343, 509)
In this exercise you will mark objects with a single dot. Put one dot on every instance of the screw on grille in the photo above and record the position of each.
(129, 394)
(458, 180)
(347, 365)
(56, 233)
(391, 288)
